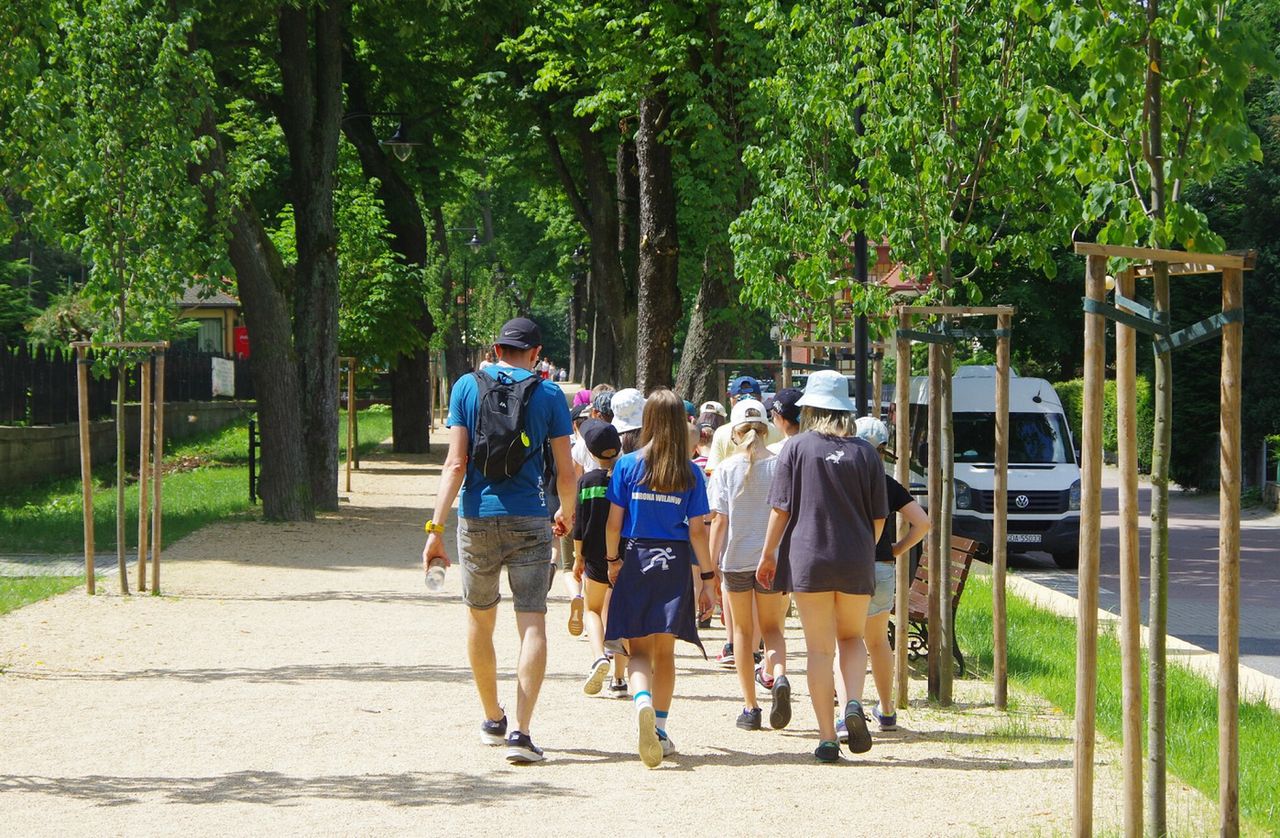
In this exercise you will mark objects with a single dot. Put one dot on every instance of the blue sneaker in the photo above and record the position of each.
(856, 724)
(520, 748)
(842, 732)
(887, 722)
(494, 733)
(827, 752)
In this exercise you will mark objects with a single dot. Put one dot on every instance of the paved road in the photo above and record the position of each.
(1193, 572)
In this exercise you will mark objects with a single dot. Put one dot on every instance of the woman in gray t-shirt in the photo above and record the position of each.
(828, 508)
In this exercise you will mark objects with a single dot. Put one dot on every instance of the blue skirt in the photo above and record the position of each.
(654, 592)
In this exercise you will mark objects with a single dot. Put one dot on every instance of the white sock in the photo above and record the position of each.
(642, 700)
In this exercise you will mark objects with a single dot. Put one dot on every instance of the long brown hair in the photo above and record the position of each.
(664, 438)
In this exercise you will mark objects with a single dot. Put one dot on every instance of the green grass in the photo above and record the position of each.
(18, 591)
(1042, 659)
(213, 486)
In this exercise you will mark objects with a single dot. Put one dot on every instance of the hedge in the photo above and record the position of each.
(1072, 395)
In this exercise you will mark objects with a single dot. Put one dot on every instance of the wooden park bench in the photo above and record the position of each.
(963, 552)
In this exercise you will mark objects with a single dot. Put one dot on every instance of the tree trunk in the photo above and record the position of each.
(658, 291)
(410, 370)
(285, 484)
(627, 233)
(708, 338)
(310, 112)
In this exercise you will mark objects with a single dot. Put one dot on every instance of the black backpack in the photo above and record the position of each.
(500, 445)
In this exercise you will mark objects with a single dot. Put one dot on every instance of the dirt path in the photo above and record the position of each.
(297, 679)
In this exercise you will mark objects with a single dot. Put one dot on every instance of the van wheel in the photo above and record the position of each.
(1067, 561)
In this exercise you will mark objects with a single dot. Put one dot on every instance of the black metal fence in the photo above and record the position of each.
(38, 385)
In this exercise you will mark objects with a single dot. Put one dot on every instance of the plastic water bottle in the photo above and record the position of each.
(435, 575)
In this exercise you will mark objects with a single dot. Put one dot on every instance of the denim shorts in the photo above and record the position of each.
(520, 543)
(886, 584)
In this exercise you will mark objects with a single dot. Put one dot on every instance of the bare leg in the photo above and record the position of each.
(532, 626)
(851, 619)
(881, 654)
(640, 665)
(740, 603)
(772, 609)
(664, 671)
(818, 618)
(727, 611)
(484, 661)
(597, 595)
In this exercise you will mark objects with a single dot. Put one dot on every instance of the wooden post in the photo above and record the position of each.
(724, 383)
(1090, 536)
(877, 382)
(902, 568)
(157, 511)
(1000, 524)
(351, 412)
(946, 437)
(86, 467)
(934, 470)
(144, 454)
(1229, 387)
(121, 542)
(1130, 574)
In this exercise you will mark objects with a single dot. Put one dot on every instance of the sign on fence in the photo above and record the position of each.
(224, 377)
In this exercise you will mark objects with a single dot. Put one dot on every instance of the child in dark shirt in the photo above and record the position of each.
(603, 442)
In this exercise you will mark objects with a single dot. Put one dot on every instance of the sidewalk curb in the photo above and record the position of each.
(1254, 685)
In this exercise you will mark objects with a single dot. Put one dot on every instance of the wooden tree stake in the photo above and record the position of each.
(351, 412)
(1130, 572)
(1000, 523)
(1229, 558)
(157, 511)
(902, 568)
(86, 467)
(144, 453)
(1090, 538)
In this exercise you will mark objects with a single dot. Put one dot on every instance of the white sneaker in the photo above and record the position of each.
(648, 746)
(668, 747)
(599, 671)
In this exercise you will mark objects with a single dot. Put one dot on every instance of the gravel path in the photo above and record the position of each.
(298, 679)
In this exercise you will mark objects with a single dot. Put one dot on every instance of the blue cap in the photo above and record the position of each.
(744, 385)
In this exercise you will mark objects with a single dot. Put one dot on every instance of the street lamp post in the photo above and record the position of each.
(473, 245)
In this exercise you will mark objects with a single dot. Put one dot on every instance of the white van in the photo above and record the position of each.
(1044, 478)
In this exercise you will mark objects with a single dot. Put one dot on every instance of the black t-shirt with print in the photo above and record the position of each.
(592, 515)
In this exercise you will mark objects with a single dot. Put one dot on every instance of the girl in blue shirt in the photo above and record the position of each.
(658, 506)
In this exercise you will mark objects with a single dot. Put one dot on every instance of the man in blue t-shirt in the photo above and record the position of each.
(505, 524)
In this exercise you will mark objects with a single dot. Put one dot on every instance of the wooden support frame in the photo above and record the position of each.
(152, 423)
(351, 411)
(1230, 323)
(940, 495)
(902, 567)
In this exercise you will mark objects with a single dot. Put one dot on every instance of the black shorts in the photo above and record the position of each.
(597, 569)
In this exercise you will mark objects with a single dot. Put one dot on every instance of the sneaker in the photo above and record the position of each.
(827, 751)
(889, 722)
(648, 745)
(494, 733)
(599, 671)
(763, 678)
(725, 658)
(856, 723)
(749, 719)
(668, 747)
(758, 657)
(520, 748)
(842, 732)
(780, 713)
(575, 616)
(705, 622)
(618, 689)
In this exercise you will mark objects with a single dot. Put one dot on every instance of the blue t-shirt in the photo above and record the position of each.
(547, 417)
(650, 514)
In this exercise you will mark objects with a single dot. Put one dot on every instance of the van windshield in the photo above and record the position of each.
(1033, 438)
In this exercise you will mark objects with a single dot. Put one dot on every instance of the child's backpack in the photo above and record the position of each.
(500, 445)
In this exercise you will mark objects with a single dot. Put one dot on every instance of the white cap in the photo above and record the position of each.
(746, 411)
(873, 430)
(827, 390)
(628, 409)
(712, 407)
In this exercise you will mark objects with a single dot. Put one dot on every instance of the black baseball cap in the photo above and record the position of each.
(519, 333)
(579, 412)
(784, 403)
(601, 437)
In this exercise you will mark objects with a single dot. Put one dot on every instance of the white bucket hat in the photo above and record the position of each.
(747, 411)
(628, 409)
(828, 390)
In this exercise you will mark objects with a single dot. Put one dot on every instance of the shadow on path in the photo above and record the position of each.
(416, 788)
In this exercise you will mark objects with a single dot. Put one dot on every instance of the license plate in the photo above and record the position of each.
(1024, 538)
